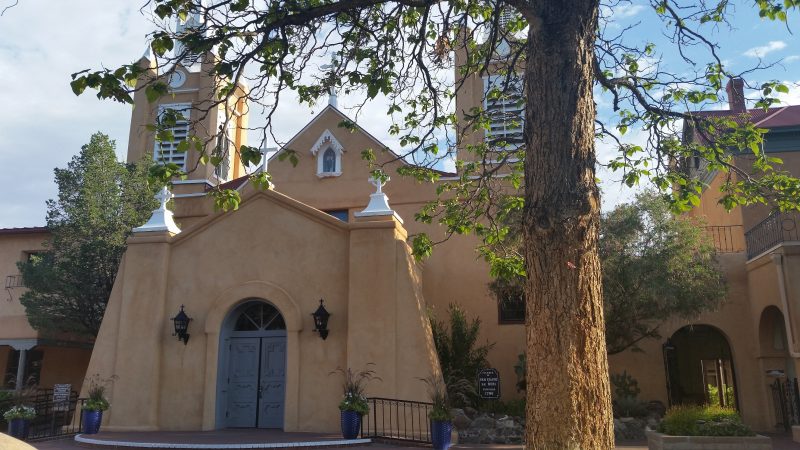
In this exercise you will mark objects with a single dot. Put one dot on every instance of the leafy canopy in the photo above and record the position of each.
(656, 267)
(100, 201)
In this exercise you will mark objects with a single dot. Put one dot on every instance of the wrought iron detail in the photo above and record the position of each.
(726, 238)
(778, 227)
(786, 401)
(14, 281)
(397, 420)
(53, 419)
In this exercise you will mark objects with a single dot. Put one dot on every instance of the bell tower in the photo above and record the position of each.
(219, 124)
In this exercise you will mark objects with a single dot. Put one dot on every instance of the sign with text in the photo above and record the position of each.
(61, 394)
(489, 383)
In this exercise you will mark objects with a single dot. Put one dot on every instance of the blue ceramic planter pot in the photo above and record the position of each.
(19, 428)
(351, 424)
(91, 421)
(440, 434)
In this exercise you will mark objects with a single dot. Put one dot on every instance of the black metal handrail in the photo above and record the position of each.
(53, 419)
(401, 420)
(776, 228)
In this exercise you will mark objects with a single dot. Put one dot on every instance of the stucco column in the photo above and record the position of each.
(372, 310)
(143, 329)
(23, 353)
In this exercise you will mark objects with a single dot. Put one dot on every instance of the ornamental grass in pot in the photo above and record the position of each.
(93, 407)
(440, 416)
(354, 404)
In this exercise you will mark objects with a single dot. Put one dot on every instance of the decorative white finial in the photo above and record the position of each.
(378, 201)
(333, 97)
(161, 220)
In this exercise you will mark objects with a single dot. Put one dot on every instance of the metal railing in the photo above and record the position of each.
(726, 238)
(776, 228)
(786, 401)
(14, 281)
(401, 420)
(53, 419)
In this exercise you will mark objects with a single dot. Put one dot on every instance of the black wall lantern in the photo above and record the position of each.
(321, 316)
(181, 322)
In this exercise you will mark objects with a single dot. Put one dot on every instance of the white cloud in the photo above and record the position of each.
(625, 11)
(762, 51)
(791, 58)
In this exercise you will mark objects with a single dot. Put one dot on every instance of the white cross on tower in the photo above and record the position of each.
(163, 196)
(378, 183)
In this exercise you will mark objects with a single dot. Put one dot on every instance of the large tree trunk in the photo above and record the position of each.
(569, 403)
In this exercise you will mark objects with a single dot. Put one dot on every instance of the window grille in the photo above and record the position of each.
(167, 151)
(505, 106)
(512, 310)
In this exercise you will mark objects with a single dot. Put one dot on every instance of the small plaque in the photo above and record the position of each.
(489, 383)
(61, 393)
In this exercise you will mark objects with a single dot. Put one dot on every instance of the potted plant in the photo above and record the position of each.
(705, 427)
(18, 418)
(93, 407)
(440, 416)
(354, 404)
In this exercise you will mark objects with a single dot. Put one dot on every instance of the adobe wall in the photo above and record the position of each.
(287, 254)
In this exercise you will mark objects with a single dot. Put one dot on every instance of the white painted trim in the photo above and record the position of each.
(114, 444)
(184, 90)
(206, 181)
(20, 344)
(327, 141)
(194, 194)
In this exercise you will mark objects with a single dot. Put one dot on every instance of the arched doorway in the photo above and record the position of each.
(252, 367)
(699, 367)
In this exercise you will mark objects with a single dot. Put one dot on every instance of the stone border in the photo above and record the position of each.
(309, 444)
(659, 441)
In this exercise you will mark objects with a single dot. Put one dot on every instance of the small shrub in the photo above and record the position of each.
(629, 407)
(437, 393)
(625, 386)
(20, 412)
(97, 400)
(513, 408)
(461, 355)
(708, 420)
(353, 389)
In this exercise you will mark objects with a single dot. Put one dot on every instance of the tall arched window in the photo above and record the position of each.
(329, 161)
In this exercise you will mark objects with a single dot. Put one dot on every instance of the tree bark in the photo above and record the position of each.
(568, 396)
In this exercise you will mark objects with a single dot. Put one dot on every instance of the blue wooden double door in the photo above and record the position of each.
(256, 381)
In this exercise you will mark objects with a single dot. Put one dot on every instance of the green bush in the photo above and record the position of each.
(629, 407)
(514, 408)
(624, 385)
(460, 355)
(708, 420)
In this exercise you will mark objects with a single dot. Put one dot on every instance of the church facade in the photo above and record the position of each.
(250, 281)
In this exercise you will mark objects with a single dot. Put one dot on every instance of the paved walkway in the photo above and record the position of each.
(780, 442)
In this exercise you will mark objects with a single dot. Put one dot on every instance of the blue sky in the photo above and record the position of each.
(42, 124)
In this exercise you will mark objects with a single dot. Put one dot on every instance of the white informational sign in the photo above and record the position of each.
(61, 393)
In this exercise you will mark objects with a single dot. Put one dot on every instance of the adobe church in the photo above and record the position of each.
(327, 237)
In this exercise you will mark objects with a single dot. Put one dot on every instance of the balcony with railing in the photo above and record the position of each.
(777, 228)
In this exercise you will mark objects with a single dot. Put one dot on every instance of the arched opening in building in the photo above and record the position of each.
(251, 384)
(699, 366)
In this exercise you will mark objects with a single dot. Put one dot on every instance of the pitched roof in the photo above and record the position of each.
(382, 146)
(783, 116)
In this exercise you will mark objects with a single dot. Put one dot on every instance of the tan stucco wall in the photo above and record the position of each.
(453, 274)
(290, 255)
(64, 365)
(13, 248)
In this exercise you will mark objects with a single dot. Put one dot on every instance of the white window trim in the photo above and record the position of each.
(327, 141)
(183, 108)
